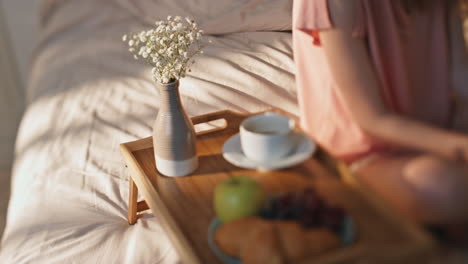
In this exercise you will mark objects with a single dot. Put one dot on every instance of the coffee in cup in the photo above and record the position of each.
(267, 137)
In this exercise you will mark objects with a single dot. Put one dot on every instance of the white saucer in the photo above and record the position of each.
(304, 148)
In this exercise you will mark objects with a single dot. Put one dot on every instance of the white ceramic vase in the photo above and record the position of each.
(173, 135)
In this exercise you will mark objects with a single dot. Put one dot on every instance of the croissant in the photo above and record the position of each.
(256, 240)
(292, 239)
(230, 236)
(262, 246)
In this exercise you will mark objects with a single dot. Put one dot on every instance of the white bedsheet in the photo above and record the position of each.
(86, 96)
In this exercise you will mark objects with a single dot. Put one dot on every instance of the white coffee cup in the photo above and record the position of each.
(267, 137)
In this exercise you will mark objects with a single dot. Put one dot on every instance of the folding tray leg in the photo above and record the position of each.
(134, 207)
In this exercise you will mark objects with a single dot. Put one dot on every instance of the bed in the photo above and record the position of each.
(86, 95)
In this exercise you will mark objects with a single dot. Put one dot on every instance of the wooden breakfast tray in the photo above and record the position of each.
(183, 205)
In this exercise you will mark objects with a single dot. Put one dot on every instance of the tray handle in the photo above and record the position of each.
(232, 120)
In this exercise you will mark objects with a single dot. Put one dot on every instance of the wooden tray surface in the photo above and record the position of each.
(183, 205)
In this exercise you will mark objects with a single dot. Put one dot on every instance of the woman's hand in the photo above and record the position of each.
(457, 148)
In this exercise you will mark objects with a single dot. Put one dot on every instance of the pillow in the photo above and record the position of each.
(218, 16)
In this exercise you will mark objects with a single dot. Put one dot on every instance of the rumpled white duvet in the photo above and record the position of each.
(87, 95)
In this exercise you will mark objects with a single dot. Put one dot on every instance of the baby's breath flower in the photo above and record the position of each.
(169, 47)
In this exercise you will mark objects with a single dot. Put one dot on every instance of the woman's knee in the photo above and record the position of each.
(441, 184)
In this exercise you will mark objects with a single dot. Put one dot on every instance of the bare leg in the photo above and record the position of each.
(425, 188)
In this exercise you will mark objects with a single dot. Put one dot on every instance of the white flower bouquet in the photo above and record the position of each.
(169, 47)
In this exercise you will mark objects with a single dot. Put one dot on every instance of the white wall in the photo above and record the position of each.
(10, 97)
(18, 32)
(22, 20)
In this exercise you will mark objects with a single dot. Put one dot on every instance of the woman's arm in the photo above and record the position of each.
(351, 67)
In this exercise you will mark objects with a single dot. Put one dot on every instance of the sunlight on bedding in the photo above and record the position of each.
(87, 95)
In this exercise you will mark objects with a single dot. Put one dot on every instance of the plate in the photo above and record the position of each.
(348, 236)
(305, 147)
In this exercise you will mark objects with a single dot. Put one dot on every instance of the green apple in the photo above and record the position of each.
(238, 197)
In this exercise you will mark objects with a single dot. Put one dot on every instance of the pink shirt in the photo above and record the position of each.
(410, 55)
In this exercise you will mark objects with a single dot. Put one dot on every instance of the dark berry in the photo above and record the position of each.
(286, 200)
(310, 221)
(332, 218)
(312, 204)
